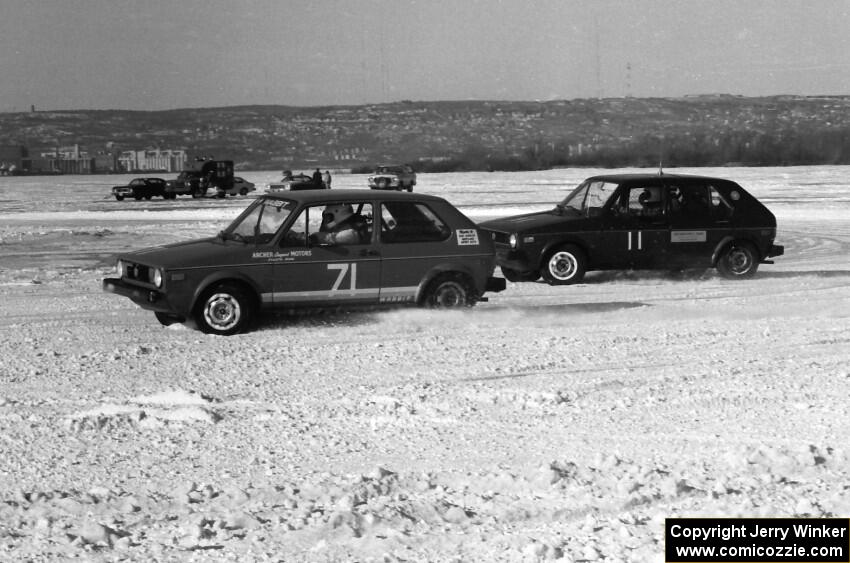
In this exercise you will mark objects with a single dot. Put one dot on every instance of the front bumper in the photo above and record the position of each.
(514, 260)
(150, 299)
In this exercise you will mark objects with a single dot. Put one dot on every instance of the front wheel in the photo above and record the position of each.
(226, 309)
(565, 265)
(449, 291)
(119, 197)
(738, 261)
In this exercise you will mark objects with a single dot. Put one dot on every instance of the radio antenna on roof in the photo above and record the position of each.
(660, 156)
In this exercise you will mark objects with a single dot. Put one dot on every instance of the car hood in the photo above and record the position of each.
(540, 220)
(191, 254)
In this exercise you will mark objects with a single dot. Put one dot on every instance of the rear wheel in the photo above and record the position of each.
(225, 309)
(449, 291)
(563, 266)
(738, 261)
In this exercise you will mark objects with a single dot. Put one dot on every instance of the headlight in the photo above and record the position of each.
(512, 240)
(156, 277)
(119, 269)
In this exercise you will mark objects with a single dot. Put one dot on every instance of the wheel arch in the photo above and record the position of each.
(453, 269)
(728, 240)
(218, 278)
(550, 247)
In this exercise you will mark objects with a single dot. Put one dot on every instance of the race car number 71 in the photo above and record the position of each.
(343, 269)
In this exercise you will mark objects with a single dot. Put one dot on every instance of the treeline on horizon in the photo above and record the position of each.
(735, 148)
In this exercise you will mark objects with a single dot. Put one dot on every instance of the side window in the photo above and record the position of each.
(690, 205)
(645, 201)
(721, 209)
(334, 224)
(403, 221)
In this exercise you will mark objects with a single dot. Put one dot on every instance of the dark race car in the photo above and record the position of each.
(639, 221)
(314, 248)
(139, 188)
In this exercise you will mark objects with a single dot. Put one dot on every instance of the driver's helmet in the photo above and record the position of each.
(333, 215)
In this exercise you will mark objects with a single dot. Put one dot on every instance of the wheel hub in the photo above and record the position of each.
(562, 265)
(222, 311)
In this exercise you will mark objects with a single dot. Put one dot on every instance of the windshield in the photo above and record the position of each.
(262, 220)
(589, 195)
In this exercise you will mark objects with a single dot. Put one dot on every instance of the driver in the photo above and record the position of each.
(340, 225)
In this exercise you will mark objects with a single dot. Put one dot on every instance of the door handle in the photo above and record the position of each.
(369, 252)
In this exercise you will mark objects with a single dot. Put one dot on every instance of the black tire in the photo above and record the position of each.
(517, 276)
(224, 310)
(564, 266)
(148, 197)
(449, 291)
(410, 188)
(167, 320)
(137, 197)
(243, 191)
(119, 197)
(738, 261)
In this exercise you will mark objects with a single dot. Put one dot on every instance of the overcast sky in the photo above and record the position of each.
(166, 54)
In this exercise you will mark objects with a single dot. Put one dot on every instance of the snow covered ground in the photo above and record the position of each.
(549, 423)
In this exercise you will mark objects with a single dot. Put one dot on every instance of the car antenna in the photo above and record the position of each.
(660, 156)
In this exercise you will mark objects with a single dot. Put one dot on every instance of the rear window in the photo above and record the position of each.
(404, 221)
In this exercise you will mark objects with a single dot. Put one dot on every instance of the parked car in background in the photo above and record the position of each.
(294, 183)
(240, 187)
(393, 177)
(200, 177)
(639, 221)
(187, 183)
(139, 188)
(314, 249)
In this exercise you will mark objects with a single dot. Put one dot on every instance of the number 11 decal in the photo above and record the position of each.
(343, 269)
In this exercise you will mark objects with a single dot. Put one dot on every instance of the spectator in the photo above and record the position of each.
(326, 179)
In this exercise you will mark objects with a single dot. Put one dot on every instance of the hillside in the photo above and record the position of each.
(704, 130)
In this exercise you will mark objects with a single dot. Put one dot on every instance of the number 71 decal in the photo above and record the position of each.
(343, 269)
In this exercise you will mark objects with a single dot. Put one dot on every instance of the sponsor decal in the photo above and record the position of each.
(687, 236)
(275, 255)
(467, 237)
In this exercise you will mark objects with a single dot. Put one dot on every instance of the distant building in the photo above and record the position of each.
(157, 159)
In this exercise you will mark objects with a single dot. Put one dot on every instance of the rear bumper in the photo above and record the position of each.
(495, 285)
(775, 250)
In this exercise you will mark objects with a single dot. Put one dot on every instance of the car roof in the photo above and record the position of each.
(642, 177)
(320, 196)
